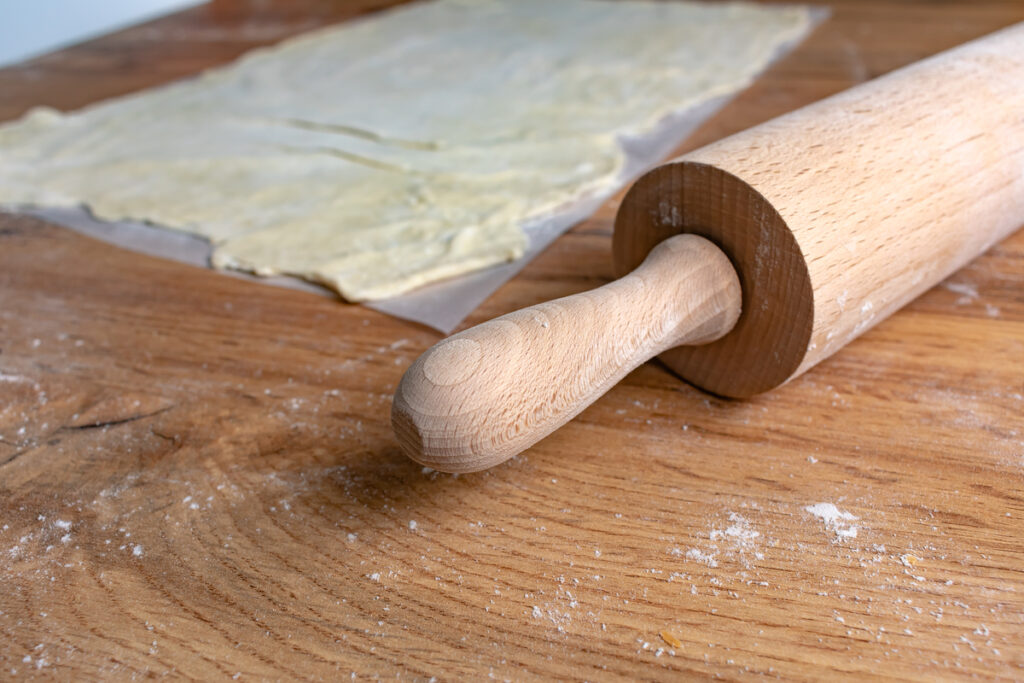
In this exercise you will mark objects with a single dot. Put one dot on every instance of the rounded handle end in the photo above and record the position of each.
(436, 410)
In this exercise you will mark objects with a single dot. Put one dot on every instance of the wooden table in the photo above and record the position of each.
(198, 477)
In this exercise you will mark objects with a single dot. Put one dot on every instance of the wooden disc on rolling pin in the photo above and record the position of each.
(746, 262)
(838, 214)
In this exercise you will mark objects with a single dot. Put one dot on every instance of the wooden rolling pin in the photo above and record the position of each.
(816, 225)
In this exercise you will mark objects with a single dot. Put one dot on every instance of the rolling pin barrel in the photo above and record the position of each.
(831, 217)
(838, 214)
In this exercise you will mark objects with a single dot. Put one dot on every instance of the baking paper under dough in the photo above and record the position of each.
(389, 152)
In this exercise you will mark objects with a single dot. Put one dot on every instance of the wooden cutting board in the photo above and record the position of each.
(197, 474)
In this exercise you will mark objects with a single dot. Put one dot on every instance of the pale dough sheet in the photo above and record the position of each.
(397, 150)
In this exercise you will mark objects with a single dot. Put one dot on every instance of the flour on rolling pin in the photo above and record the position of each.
(748, 261)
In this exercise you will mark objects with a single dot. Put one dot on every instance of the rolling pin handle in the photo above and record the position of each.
(483, 395)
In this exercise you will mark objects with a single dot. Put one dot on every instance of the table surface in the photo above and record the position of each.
(198, 476)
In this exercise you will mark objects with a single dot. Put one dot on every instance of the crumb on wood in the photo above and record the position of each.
(670, 639)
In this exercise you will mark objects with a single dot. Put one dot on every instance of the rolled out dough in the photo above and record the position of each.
(407, 147)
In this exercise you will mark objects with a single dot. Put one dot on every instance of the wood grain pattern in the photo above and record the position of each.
(238, 436)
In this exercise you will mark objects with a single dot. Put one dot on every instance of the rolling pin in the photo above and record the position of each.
(750, 260)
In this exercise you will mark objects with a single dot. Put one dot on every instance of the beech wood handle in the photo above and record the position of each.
(483, 395)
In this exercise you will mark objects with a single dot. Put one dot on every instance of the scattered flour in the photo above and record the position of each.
(4, 377)
(834, 519)
(704, 558)
(736, 542)
(561, 610)
(739, 533)
(966, 290)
